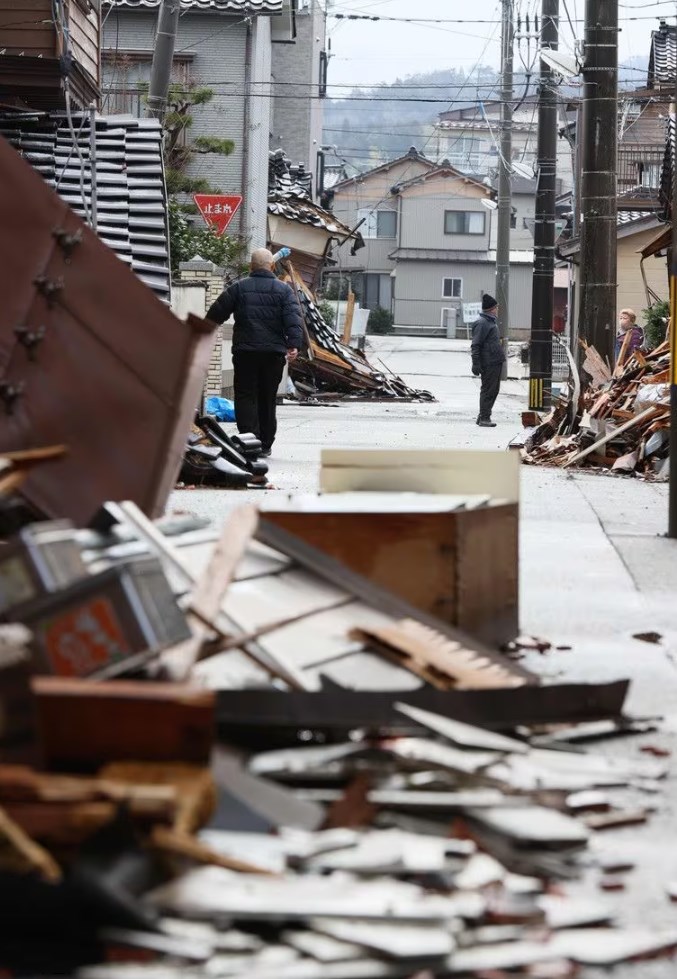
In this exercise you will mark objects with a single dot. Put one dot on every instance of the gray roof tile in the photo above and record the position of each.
(663, 56)
(128, 210)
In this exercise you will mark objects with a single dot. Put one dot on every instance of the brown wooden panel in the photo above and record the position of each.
(85, 39)
(460, 567)
(488, 572)
(84, 724)
(116, 376)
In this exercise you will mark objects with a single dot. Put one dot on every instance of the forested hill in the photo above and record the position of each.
(380, 123)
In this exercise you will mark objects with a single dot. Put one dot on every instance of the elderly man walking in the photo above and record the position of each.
(488, 357)
(267, 331)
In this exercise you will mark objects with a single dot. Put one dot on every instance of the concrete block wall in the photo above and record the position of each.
(211, 276)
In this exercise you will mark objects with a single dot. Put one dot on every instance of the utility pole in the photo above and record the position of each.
(597, 311)
(542, 303)
(163, 57)
(504, 171)
(672, 499)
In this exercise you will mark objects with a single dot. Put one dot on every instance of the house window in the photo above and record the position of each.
(513, 219)
(464, 223)
(378, 224)
(452, 288)
(377, 290)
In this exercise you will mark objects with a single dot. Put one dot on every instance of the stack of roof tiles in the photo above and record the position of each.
(663, 57)
(131, 200)
(289, 196)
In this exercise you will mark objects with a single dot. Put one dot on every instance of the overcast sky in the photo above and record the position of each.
(366, 53)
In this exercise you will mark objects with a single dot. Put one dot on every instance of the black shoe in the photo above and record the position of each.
(265, 453)
(486, 423)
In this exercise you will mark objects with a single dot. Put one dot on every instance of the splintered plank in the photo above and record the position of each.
(632, 423)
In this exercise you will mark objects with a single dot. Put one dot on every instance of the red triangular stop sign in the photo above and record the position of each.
(218, 210)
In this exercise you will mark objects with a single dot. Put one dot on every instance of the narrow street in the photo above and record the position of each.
(594, 568)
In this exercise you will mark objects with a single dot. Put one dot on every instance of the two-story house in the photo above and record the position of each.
(225, 46)
(430, 236)
(367, 201)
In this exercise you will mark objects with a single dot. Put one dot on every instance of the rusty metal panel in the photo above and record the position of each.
(89, 358)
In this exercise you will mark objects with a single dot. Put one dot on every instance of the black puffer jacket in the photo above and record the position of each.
(267, 314)
(486, 348)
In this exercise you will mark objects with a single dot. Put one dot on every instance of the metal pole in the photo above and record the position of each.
(504, 188)
(92, 166)
(542, 305)
(672, 499)
(163, 56)
(597, 314)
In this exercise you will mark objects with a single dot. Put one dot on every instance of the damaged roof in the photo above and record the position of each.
(131, 202)
(289, 196)
(663, 56)
(220, 6)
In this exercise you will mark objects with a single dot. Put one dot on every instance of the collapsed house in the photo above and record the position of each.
(331, 366)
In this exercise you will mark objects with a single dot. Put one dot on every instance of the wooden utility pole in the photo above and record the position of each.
(542, 304)
(597, 311)
(163, 57)
(504, 171)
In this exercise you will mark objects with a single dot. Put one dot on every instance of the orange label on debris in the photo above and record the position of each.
(84, 639)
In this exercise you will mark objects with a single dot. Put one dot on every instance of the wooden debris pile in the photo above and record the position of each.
(422, 835)
(620, 424)
(331, 366)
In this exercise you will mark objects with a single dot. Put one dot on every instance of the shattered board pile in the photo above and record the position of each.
(335, 367)
(417, 843)
(623, 420)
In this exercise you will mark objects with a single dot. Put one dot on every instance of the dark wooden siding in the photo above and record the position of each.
(27, 28)
(84, 27)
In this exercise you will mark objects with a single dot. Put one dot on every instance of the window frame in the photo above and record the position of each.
(452, 279)
(467, 214)
(369, 229)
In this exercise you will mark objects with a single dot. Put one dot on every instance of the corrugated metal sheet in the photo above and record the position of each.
(222, 6)
(130, 182)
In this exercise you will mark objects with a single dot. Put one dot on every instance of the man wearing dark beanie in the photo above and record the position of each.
(488, 357)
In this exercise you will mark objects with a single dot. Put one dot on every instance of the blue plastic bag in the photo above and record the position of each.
(221, 408)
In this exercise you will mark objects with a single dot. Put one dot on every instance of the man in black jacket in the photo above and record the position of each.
(488, 357)
(267, 331)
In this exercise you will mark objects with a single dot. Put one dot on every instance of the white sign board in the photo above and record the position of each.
(471, 311)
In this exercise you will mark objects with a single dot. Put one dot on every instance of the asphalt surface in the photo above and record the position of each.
(595, 571)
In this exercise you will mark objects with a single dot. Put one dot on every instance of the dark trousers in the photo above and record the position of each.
(257, 376)
(491, 383)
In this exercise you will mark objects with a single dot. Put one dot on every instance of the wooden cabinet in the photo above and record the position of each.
(456, 561)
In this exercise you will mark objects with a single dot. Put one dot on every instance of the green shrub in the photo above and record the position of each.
(380, 321)
(655, 318)
(327, 311)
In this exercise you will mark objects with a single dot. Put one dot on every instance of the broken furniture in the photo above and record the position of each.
(454, 557)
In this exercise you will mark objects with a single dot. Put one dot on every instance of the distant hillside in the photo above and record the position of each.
(377, 124)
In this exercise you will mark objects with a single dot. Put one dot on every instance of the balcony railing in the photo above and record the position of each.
(639, 165)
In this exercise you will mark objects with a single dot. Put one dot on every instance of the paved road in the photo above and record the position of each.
(594, 568)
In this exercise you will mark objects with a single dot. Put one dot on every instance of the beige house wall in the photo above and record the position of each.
(631, 291)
